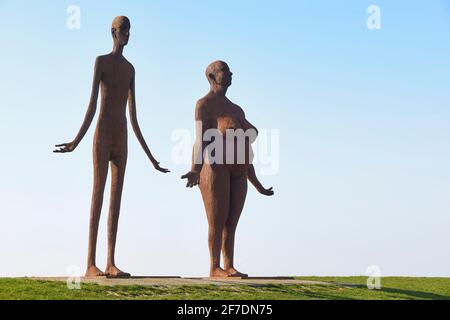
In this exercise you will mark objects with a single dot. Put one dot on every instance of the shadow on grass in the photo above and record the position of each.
(361, 293)
(410, 294)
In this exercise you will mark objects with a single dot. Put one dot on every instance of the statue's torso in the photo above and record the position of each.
(226, 118)
(116, 79)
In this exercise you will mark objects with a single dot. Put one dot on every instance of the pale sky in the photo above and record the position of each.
(363, 117)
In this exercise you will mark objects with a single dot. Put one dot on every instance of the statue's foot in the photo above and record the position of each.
(232, 272)
(93, 271)
(114, 272)
(218, 273)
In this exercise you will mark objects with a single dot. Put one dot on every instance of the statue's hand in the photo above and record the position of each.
(157, 167)
(267, 192)
(193, 179)
(65, 147)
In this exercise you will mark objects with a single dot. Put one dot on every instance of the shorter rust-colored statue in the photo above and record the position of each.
(223, 182)
(116, 77)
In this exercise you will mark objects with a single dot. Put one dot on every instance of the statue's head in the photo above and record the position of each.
(219, 74)
(120, 30)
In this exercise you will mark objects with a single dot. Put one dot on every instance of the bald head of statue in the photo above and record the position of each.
(218, 74)
(120, 30)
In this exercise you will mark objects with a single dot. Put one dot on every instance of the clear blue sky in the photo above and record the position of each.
(363, 117)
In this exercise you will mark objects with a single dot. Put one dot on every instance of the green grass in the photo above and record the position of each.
(392, 288)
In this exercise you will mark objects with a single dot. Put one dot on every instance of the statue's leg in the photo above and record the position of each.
(215, 189)
(118, 166)
(101, 155)
(238, 193)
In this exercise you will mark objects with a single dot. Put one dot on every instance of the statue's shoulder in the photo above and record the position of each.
(101, 62)
(102, 58)
(98, 61)
(202, 106)
(130, 65)
(204, 102)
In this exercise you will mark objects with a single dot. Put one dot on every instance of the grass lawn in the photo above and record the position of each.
(392, 288)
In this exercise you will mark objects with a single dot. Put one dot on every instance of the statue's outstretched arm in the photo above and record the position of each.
(251, 175)
(90, 113)
(201, 125)
(137, 129)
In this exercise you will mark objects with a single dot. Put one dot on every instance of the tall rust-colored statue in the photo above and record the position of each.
(116, 77)
(223, 185)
